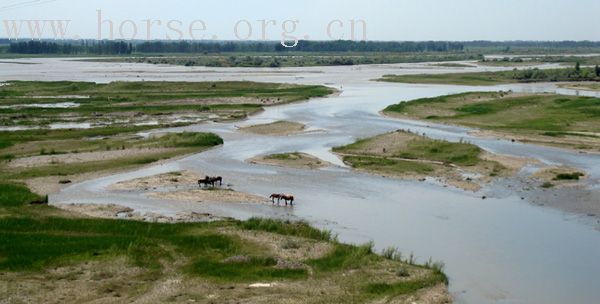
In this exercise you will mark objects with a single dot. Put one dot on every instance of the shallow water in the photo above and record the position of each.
(499, 250)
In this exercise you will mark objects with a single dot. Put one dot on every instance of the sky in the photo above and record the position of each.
(398, 20)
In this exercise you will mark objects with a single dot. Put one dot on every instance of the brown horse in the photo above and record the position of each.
(275, 196)
(210, 181)
(286, 197)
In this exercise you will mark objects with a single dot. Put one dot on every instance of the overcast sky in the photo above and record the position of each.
(385, 19)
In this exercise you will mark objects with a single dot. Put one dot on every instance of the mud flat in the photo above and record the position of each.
(278, 128)
(292, 160)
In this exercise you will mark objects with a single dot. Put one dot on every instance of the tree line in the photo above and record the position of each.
(84, 47)
(337, 46)
(121, 47)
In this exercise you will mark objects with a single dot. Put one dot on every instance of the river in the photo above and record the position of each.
(505, 249)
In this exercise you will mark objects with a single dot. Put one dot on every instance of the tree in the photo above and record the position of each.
(597, 70)
(578, 67)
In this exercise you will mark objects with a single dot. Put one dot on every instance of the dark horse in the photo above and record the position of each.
(210, 181)
(286, 197)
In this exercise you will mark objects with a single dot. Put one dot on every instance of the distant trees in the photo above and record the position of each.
(552, 75)
(577, 67)
(597, 70)
(205, 47)
(84, 47)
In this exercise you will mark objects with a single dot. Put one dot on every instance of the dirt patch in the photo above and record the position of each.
(112, 211)
(97, 281)
(166, 180)
(289, 248)
(183, 186)
(71, 158)
(560, 177)
(293, 160)
(210, 196)
(278, 128)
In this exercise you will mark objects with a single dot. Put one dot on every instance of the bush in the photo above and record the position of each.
(569, 176)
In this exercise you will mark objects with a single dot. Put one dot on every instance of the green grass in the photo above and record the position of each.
(539, 114)
(188, 140)
(255, 269)
(344, 257)
(288, 228)
(496, 78)
(405, 287)
(36, 238)
(475, 79)
(423, 148)
(181, 144)
(145, 101)
(386, 165)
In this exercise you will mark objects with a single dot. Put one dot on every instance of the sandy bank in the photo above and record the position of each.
(293, 160)
(278, 128)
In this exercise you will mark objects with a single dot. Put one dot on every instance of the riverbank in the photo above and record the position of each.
(278, 128)
(255, 261)
(562, 121)
(528, 75)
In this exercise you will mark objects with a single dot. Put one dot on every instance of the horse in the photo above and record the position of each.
(287, 198)
(275, 196)
(210, 181)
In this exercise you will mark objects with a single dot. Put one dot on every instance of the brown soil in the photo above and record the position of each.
(548, 175)
(71, 158)
(112, 211)
(279, 128)
(295, 160)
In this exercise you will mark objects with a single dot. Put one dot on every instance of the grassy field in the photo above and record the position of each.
(407, 155)
(129, 150)
(126, 103)
(52, 256)
(569, 121)
(117, 111)
(496, 78)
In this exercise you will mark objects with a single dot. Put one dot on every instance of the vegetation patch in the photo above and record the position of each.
(495, 78)
(42, 245)
(411, 156)
(293, 160)
(569, 121)
(278, 128)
